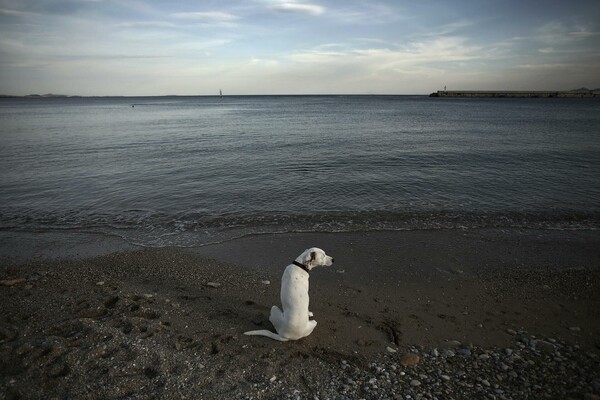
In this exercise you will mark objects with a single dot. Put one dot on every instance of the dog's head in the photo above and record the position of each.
(315, 257)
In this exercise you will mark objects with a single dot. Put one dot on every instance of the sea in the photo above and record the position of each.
(190, 171)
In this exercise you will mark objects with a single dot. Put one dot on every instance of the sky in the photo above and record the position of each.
(182, 47)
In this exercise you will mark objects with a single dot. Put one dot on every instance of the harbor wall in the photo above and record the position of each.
(512, 93)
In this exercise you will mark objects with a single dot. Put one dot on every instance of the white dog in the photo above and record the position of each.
(294, 323)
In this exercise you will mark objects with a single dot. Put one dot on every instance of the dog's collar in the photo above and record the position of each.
(304, 267)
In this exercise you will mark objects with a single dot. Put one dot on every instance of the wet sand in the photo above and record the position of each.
(504, 313)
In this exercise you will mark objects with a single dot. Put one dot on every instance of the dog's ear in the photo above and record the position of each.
(313, 256)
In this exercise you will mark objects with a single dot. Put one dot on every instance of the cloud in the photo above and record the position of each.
(301, 8)
(370, 40)
(436, 50)
(14, 13)
(583, 34)
(211, 16)
(547, 50)
(147, 24)
(557, 33)
(208, 19)
(366, 14)
(448, 29)
(552, 66)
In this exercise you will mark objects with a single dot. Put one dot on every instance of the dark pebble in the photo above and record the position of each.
(58, 370)
(111, 301)
(93, 313)
(150, 372)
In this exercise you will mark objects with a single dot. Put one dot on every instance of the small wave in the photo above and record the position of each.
(196, 229)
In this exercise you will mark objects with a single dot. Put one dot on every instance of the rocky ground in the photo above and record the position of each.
(168, 323)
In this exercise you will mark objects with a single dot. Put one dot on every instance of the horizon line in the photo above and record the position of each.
(50, 95)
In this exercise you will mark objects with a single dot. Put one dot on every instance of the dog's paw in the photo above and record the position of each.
(310, 314)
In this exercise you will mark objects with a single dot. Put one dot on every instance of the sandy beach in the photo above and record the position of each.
(446, 314)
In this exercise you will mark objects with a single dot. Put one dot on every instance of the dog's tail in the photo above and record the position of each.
(269, 334)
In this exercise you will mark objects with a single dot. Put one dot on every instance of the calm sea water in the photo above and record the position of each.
(194, 170)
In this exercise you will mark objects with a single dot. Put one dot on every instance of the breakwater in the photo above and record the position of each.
(518, 94)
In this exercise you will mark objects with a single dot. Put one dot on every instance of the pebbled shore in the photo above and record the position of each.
(168, 323)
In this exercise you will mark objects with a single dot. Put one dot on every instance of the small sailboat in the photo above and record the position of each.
(221, 94)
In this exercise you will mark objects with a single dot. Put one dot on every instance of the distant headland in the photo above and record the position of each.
(49, 95)
(577, 93)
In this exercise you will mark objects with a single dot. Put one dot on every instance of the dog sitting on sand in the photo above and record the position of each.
(294, 321)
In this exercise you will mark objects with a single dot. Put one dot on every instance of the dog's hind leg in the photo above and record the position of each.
(276, 318)
(310, 327)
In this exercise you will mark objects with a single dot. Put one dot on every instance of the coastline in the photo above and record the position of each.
(114, 321)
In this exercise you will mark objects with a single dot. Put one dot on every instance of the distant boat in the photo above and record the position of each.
(220, 93)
